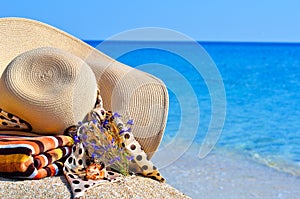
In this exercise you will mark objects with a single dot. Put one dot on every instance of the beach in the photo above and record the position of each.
(58, 188)
(227, 175)
(232, 76)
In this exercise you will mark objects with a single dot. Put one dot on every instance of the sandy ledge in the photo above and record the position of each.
(57, 187)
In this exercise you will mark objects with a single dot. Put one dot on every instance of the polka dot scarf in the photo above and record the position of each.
(104, 150)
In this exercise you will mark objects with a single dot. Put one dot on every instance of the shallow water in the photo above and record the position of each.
(226, 175)
(261, 82)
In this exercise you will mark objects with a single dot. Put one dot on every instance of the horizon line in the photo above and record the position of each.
(199, 41)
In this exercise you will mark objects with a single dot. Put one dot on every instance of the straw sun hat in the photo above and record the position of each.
(49, 79)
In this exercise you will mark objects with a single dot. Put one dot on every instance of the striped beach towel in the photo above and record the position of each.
(33, 157)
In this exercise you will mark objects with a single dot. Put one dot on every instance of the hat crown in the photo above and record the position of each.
(49, 88)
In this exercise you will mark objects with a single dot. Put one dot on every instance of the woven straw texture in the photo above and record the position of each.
(46, 87)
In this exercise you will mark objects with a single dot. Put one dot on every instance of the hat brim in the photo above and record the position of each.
(130, 92)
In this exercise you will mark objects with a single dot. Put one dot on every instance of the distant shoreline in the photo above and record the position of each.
(90, 41)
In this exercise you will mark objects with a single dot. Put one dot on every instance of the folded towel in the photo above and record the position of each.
(33, 157)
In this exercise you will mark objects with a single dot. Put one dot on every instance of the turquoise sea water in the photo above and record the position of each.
(262, 84)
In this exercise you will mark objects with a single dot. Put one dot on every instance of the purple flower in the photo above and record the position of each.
(102, 130)
(76, 139)
(112, 140)
(96, 147)
(85, 144)
(130, 122)
(114, 160)
(129, 158)
(84, 136)
(93, 156)
(105, 122)
(116, 114)
(121, 132)
(106, 148)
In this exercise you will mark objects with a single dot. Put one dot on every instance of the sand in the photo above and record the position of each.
(57, 187)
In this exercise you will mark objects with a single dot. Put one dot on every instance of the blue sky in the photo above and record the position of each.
(209, 20)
